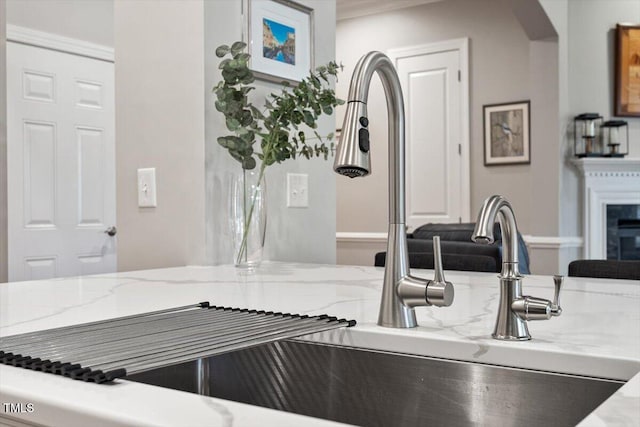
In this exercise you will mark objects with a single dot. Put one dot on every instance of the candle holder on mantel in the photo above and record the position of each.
(586, 135)
(615, 133)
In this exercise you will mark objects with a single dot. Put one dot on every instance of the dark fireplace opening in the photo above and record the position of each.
(623, 232)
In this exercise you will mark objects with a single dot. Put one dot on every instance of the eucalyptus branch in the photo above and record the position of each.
(282, 124)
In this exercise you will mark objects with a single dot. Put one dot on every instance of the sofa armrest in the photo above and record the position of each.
(455, 247)
(449, 261)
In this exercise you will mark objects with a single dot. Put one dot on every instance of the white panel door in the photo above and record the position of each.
(437, 139)
(61, 163)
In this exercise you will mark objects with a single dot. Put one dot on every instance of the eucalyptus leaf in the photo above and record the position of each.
(248, 163)
(220, 106)
(232, 124)
(222, 51)
(238, 47)
(308, 118)
(248, 137)
(243, 57)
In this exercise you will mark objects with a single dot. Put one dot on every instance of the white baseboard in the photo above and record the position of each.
(360, 237)
(552, 242)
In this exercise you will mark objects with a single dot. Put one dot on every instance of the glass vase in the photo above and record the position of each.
(248, 218)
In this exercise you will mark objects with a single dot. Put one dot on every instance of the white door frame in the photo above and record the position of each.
(60, 43)
(462, 46)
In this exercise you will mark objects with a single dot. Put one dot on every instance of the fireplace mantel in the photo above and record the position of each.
(601, 166)
(605, 181)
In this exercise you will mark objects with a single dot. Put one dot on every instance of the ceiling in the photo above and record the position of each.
(346, 9)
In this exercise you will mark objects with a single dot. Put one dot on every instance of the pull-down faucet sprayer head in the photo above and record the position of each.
(352, 158)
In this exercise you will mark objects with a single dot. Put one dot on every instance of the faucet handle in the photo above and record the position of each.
(532, 308)
(437, 260)
(556, 310)
(439, 291)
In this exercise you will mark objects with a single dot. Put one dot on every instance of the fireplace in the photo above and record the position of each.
(623, 232)
(611, 207)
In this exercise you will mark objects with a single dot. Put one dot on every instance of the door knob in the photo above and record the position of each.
(111, 231)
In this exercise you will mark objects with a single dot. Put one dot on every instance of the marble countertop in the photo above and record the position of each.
(597, 335)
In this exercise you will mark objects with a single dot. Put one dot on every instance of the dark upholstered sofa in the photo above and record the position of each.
(458, 251)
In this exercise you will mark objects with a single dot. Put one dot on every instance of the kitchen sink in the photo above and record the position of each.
(373, 388)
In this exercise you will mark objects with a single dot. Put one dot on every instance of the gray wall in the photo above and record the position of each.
(569, 222)
(91, 21)
(545, 128)
(505, 66)
(591, 57)
(293, 234)
(569, 214)
(159, 55)
(3, 147)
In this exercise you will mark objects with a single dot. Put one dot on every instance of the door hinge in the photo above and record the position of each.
(460, 149)
(459, 76)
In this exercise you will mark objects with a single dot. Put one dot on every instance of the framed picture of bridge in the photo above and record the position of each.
(280, 38)
(506, 134)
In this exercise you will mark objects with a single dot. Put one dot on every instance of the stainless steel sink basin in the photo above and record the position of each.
(372, 388)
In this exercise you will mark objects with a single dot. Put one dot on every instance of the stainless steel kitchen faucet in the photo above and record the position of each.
(514, 309)
(401, 291)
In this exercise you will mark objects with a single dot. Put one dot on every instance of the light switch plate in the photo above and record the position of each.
(147, 188)
(297, 190)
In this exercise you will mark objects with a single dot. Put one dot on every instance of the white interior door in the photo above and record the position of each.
(61, 163)
(434, 82)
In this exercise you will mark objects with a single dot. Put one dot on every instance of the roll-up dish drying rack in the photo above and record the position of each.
(108, 349)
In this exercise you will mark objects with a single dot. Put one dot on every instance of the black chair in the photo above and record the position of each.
(458, 251)
(605, 269)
